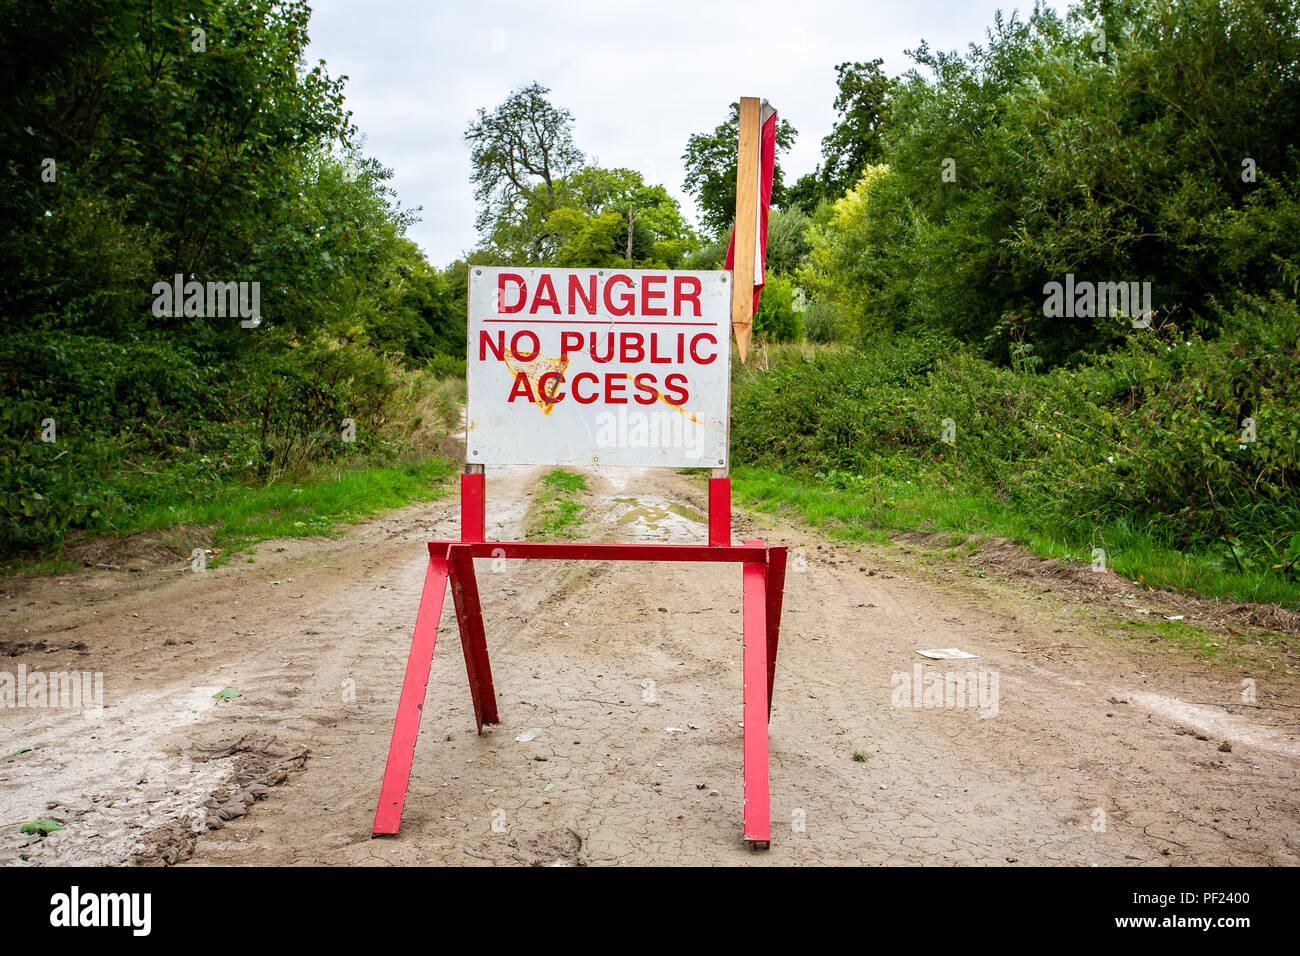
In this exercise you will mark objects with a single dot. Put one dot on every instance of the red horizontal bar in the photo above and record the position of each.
(604, 552)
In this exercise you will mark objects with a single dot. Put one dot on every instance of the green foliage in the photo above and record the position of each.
(539, 204)
(849, 259)
(446, 366)
(710, 160)
(518, 152)
(167, 159)
(589, 227)
(1152, 436)
(414, 311)
(831, 410)
(142, 141)
(1164, 154)
(823, 323)
(710, 255)
(145, 421)
(777, 319)
(1035, 155)
(787, 240)
(854, 142)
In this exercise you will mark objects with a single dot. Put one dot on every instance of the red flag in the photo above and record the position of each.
(767, 163)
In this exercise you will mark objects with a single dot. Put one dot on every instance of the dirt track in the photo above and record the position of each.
(1103, 749)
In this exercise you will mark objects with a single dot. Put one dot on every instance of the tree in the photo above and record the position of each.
(594, 218)
(519, 151)
(711, 170)
(808, 190)
(420, 318)
(1039, 154)
(171, 155)
(607, 216)
(854, 141)
(777, 318)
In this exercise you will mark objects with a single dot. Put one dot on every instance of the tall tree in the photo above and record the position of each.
(519, 151)
(711, 170)
(854, 142)
(1049, 151)
(176, 135)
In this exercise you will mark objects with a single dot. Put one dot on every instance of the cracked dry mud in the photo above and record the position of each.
(1104, 750)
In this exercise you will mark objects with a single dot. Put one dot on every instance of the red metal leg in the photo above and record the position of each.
(763, 579)
(719, 512)
(775, 592)
(410, 705)
(473, 507)
(758, 811)
(469, 614)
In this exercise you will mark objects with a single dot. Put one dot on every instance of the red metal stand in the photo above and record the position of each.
(762, 578)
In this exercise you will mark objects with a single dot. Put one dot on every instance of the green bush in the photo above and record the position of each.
(777, 320)
(1034, 155)
(823, 323)
(148, 420)
(1155, 433)
(446, 366)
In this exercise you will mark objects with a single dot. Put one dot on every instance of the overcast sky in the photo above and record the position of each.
(638, 77)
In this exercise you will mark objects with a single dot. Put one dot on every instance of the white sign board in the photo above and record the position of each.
(598, 366)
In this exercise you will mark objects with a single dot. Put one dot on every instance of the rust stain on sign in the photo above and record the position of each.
(533, 371)
(677, 408)
(664, 398)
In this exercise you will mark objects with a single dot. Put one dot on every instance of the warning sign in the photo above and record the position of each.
(598, 366)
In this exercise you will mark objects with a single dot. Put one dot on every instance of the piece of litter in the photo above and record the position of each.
(945, 654)
(1173, 617)
(674, 730)
(529, 734)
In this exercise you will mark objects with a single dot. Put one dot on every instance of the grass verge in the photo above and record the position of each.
(239, 516)
(885, 507)
(557, 510)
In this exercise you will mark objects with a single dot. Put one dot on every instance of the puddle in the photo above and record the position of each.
(659, 519)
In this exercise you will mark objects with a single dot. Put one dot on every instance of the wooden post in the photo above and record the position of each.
(742, 273)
